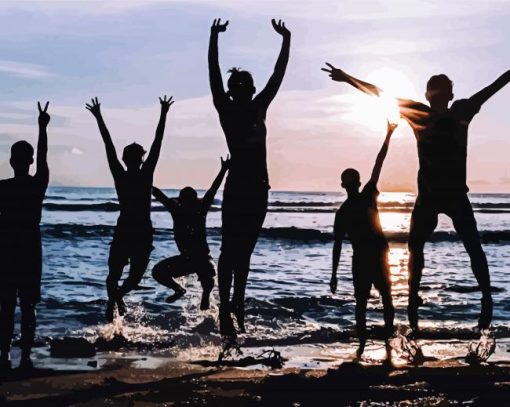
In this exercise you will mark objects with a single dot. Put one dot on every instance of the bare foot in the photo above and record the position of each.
(175, 296)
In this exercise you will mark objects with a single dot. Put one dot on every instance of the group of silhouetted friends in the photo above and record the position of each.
(441, 135)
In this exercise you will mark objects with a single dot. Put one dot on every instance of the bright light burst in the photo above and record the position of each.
(374, 111)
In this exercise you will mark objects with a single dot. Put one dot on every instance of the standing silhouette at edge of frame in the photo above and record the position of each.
(441, 133)
(132, 239)
(189, 214)
(245, 197)
(358, 217)
(21, 200)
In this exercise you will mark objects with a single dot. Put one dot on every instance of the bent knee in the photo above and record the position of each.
(207, 283)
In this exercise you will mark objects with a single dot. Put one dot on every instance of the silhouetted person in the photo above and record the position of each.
(242, 117)
(189, 215)
(441, 135)
(132, 240)
(21, 199)
(358, 217)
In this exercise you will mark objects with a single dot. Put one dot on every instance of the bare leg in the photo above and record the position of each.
(136, 270)
(7, 310)
(225, 275)
(423, 223)
(28, 324)
(465, 225)
(238, 297)
(206, 274)
(165, 271)
(116, 263)
(361, 323)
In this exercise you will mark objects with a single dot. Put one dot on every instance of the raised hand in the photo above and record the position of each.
(94, 108)
(44, 117)
(217, 27)
(333, 284)
(334, 73)
(166, 103)
(225, 164)
(280, 28)
(390, 127)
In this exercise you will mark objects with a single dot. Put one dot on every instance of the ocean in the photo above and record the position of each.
(288, 297)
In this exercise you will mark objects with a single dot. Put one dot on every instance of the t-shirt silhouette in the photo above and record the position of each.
(358, 216)
(442, 144)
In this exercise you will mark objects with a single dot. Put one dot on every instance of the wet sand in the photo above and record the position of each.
(311, 376)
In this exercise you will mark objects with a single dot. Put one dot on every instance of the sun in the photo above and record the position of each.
(374, 111)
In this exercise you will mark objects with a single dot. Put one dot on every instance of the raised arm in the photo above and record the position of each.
(42, 143)
(215, 79)
(340, 76)
(167, 202)
(113, 162)
(152, 159)
(486, 93)
(376, 172)
(208, 198)
(272, 86)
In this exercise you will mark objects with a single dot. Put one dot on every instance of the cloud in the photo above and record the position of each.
(23, 70)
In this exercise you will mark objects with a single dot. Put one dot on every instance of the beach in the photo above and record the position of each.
(134, 379)
(167, 353)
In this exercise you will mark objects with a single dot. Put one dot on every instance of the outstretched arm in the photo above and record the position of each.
(215, 79)
(272, 86)
(111, 154)
(208, 198)
(376, 172)
(340, 76)
(42, 143)
(486, 93)
(152, 159)
(162, 198)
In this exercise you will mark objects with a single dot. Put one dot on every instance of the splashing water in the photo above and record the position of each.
(132, 327)
(480, 351)
(407, 348)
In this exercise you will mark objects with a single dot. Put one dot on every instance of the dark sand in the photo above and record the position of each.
(121, 382)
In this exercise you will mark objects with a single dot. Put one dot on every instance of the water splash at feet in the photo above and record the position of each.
(481, 350)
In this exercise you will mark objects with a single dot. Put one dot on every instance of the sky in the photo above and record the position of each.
(128, 53)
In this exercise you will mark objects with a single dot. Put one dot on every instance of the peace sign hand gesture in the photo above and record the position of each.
(334, 73)
(44, 117)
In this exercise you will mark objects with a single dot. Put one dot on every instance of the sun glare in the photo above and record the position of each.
(374, 111)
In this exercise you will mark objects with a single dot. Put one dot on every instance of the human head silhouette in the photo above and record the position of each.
(351, 180)
(133, 156)
(240, 85)
(188, 198)
(22, 156)
(439, 91)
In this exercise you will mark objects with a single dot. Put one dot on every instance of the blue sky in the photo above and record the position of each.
(129, 52)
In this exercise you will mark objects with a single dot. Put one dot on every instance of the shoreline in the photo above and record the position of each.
(310, 372)
(121, 382)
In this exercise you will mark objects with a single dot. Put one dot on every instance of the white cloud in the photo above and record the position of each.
(23, 70)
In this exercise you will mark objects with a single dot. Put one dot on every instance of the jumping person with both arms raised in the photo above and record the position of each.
(358, 217)
(132, 239)
(441, 133)
(189, 214)
(21, 200)
(245, 197)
